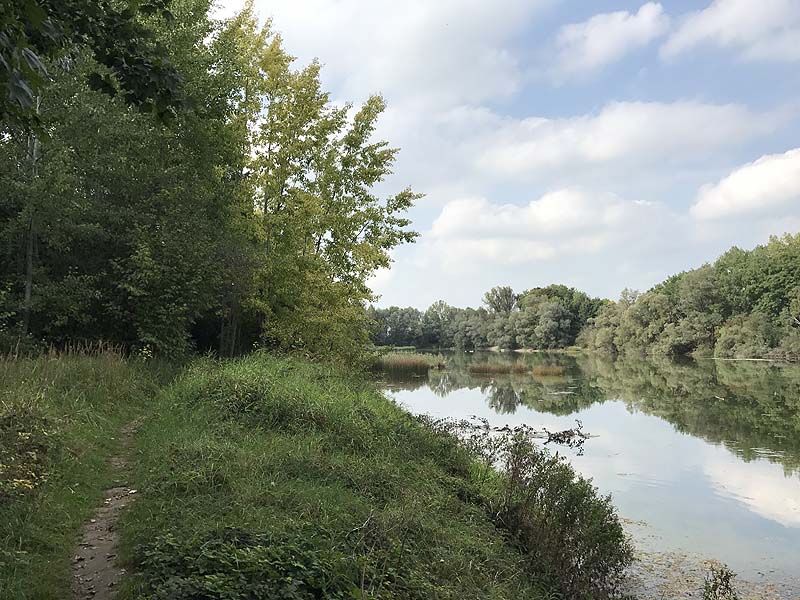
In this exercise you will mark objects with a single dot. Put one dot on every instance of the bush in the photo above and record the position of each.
(751, 336)
(566, 530)
(26, 444)
(719, 584)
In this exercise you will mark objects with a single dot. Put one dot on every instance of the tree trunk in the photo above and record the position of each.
(33, 154)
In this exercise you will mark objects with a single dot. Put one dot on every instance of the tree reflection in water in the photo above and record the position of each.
(751, 408)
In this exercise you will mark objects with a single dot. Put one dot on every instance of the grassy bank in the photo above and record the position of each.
(59, 417)
(272, 477)
(276, 478)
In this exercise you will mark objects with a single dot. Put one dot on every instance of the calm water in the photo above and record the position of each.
(701, 458)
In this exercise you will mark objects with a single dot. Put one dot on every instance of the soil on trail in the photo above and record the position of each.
(95, 572)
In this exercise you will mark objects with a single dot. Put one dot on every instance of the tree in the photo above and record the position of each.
(500, 300)
(127, 58)
(437, 325)
(251, 217)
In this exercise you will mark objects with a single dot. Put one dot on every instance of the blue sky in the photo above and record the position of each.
(598, 144)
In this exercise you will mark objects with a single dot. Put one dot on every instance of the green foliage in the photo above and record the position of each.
(747, 336)
(719, 584)
(182, 237)
(240, 564)
(34, 33)
(541, 318)
(742, 306)
(25, 449)
(556, 517)
(500, 300)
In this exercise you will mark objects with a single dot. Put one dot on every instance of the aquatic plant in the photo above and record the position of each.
(558, 520)
(719, 584)
(412, 363)
(548, 370)
(497, 368)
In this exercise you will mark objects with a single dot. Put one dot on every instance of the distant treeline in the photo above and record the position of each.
(548, 317)
(744, 305)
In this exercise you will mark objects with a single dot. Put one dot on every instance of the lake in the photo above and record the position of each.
(702, 458)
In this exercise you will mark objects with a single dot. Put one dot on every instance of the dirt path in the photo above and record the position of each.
(95, 572)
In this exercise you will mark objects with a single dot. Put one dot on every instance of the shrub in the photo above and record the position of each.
(240, 564)
(719, 584)
(566, 529)
(25, 445)
(750, 336)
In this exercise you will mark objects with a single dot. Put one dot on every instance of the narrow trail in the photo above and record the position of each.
(95, 573)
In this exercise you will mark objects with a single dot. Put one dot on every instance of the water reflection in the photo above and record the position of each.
(751, 408)
(706, 453)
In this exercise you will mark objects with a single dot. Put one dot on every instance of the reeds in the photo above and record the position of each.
(548, 370)
(411, 363)
(497, 368)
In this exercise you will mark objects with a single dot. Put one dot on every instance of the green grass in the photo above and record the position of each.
(279, 463)
(273, 477)
(59, 417)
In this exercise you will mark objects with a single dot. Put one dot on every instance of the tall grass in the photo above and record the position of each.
(411, 363)
(497, 368)
(549, 370)
(272, 477)
(59, 416)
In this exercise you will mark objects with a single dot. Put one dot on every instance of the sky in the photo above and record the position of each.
(601, 145)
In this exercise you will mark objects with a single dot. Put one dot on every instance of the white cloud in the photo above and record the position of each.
(763, 30)
(561, 222)
(628, 133)
(438, 52)
(605, 38)
(759, 485)
(766, 186)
